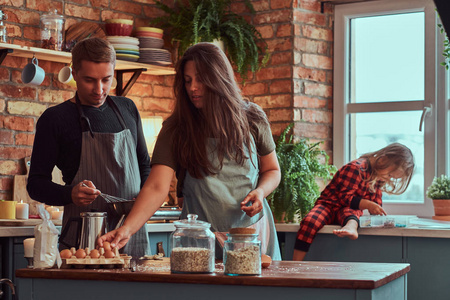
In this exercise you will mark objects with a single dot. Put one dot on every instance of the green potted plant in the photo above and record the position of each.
(439, 192)
(193, 21)
(301, 163)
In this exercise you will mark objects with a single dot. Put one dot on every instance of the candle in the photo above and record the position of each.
(51, 208)
(28, 245)
(7, 209)
(57, 215)
(22, 210)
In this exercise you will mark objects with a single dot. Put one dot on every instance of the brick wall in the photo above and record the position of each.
(296, 85)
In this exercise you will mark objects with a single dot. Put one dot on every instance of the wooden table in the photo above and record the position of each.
(291, 280)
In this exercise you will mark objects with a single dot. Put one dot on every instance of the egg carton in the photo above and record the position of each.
(108, 263)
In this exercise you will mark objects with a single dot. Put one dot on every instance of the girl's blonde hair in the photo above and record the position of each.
(397, 155)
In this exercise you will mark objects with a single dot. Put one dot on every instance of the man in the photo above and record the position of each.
(96, 141)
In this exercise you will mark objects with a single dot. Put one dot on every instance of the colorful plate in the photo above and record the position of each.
(150, 29)
(115, 39)
(127, 52)
(148, 34)
(125, 47)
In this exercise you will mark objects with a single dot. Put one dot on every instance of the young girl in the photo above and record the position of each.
(356, 186)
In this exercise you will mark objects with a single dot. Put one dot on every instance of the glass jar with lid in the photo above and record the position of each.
(52, 31)
(242, 252)
(192, 246)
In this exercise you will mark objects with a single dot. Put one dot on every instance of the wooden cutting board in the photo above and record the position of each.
(82, 30)
(29, 222)
(20, 187)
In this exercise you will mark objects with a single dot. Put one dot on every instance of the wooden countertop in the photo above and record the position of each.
(280, 274)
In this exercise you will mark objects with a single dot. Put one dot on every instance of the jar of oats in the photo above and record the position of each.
(242, 252)
(192, 246)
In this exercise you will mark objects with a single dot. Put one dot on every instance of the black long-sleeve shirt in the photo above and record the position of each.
(58, 142)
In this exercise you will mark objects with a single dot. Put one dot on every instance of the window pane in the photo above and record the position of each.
(373, 131)
(388, 58)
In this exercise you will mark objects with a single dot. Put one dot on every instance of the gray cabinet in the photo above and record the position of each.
(429, 277)
(11, 251)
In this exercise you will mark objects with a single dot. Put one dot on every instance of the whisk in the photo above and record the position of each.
(110, 198)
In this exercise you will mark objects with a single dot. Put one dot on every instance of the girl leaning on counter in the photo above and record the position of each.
(222, 150)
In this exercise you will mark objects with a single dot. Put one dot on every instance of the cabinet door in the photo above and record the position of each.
(328, 247)
(430, 268)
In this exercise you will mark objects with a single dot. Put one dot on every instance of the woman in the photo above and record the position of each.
(222, 150)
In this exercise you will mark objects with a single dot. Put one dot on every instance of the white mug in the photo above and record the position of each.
(65, 76)
(32, 73)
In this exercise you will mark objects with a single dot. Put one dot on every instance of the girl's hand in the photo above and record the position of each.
(255, 197)
(372, 207)
(375, 209)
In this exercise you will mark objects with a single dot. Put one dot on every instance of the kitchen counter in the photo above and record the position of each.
(28, 231)
(423, 246)
(289, 279)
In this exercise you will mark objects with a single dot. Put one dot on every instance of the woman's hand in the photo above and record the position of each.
(84, 193)
(118, 237)
(255, 197)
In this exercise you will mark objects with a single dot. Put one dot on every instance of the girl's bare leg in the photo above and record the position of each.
(350, 230)
(298, 255)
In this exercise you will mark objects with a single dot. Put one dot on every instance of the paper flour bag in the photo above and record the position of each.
(46, 242)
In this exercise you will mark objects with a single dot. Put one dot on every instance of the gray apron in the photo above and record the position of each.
(217, 199)
(108, 160)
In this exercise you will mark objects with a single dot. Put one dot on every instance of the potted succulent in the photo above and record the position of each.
(191, 21)
(439, 192)
(301, 163)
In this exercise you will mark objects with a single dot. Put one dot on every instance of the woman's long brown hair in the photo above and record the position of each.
(225, 115)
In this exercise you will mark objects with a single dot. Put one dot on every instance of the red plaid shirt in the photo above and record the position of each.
(348, 187)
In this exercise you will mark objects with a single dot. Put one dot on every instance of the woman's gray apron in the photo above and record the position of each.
(108, 160)
(217, 199)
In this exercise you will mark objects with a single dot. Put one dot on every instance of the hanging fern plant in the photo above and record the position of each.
(301, 165)
(193, 21)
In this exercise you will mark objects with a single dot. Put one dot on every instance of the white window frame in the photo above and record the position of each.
(436, 95)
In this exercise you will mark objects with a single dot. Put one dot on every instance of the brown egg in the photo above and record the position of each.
(266, 260)
(81, 253)
(94, 253)
(66, 253)
(109, 254)
(107, 246)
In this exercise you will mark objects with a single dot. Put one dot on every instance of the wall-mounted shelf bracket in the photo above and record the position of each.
(3, 53)
(123, 91)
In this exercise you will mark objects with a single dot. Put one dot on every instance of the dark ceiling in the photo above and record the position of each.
(443, 8)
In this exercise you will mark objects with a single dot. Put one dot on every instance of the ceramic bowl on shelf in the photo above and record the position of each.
(119, 21)
(118, 29)
(150, 29)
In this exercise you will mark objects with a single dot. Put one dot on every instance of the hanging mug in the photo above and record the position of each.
(65, 76)
(32, 73)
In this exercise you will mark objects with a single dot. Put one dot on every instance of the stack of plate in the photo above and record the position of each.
(150, 44)
(155, 56)
(127, 48)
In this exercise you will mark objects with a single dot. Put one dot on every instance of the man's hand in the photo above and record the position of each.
(84, 193)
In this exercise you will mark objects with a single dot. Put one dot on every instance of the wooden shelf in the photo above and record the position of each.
(66, 57)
